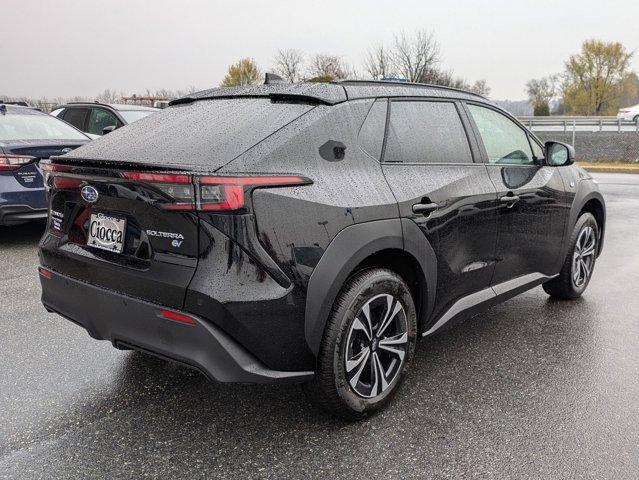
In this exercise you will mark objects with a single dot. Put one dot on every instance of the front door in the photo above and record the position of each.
(530, 204)
(428, 162)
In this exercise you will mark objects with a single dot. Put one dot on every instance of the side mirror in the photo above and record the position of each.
(108, 129)
(559, 154)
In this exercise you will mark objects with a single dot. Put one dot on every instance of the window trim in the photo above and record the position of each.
(482, 148)
(474, 151)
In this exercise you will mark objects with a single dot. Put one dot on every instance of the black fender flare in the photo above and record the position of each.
(584, 194)
(348, 249)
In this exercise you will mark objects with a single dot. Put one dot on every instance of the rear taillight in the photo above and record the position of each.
(178, 187)
(208, 193)
(228, 193)
(13, 162)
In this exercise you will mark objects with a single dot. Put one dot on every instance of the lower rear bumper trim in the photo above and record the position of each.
(133, 323)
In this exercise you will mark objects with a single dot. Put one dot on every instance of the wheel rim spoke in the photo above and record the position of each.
(400, 339)
(390, 314)
(362, 364)
(359, 325)
(381, 373)
(588, 251)
(374, 376)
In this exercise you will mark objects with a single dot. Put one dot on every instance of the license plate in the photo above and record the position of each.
(106, 232)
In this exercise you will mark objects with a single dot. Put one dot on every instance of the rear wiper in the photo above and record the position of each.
(277, 97)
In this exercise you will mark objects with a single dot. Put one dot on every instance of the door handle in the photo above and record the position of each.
(425, 208)
(509, 199)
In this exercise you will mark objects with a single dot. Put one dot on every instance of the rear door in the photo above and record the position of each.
(530, 196)
(429, 164)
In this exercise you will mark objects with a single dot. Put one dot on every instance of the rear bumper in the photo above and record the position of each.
(133, 323)
(16, 214)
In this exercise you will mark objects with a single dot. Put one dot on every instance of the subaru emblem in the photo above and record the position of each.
(89, 193)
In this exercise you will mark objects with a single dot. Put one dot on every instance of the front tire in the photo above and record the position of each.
(367, 346)
(579, 262)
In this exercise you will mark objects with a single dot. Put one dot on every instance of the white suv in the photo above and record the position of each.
(629, 113)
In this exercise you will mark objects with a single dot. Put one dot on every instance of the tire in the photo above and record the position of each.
(636, 119)
(361, 364)
(579, 263)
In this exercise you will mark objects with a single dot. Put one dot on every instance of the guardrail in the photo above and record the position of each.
(579, 123)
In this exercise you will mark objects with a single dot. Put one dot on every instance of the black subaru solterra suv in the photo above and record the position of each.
(312, 233)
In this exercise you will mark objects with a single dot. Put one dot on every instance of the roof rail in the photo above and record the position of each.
(405, 84)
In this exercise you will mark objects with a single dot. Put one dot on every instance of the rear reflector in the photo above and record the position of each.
(48, 274)
(177, 317)
(13, 162)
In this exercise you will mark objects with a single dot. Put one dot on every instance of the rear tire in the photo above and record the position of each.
(579, 263)
(365, 352)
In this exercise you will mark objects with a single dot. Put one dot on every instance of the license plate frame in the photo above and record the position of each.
(106, 232)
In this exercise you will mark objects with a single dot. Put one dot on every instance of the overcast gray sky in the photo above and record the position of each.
(81, 47)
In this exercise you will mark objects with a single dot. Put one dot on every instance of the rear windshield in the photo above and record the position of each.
(36, 127)
(207, 133)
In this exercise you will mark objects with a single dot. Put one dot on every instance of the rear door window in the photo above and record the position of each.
(426, 132)
(76, 117)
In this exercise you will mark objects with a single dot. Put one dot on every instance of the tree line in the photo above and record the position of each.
(414, 58)
(596, 81)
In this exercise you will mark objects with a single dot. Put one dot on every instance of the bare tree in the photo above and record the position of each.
(480, 87)
(108, 96)
(415, 57)
(288, 64)
(327, 68)
(378, 63)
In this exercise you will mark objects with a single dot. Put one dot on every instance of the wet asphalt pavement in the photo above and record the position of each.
(534, 388)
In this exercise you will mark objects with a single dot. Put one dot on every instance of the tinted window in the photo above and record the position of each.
(76, 117)
(504, 140)
(371, 135)
(426, 132)
(99, 119)
(36, 127)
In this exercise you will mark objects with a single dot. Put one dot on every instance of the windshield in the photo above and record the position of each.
(132, 115)
(36, 127)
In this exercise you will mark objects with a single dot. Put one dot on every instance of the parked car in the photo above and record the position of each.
(27, 135)
(629, 113)
(312, 232)
(96, 119)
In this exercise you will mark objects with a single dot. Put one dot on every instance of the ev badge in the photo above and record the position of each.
(89, 193)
